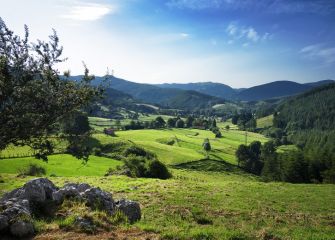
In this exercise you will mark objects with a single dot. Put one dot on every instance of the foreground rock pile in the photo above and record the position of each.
(40, 196)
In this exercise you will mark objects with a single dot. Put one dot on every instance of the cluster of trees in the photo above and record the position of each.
(290, 166)
(245, 120)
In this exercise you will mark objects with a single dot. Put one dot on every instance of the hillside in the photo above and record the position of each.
(314, 109)
(192, 100)
(162, 93)
(168, 97)
(308, 120)
(186, 206)
(213, 89)
(276, 89)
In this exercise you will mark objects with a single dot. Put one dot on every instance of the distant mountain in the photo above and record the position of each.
(320, 83)
(168, 97)
(213, 89)
(276, 89)
(165, 93)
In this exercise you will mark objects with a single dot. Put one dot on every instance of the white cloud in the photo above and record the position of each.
(89, 12)
(252, 34)
(243, 33)
(232, 29)
(318, 52)
(184, 35)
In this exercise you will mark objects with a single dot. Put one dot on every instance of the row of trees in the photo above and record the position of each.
(178, 122)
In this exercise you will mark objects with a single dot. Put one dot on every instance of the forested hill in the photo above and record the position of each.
(309, 122)
(192, 100)
(272, 90)
(168, 97)
(314, 109)
(213, 89)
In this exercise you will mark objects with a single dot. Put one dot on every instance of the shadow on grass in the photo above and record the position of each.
(209, 165)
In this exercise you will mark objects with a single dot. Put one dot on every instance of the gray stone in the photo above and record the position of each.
(98, 199)
(3, 222)
(36, 190)
(22, 229)
(41, 196)
(81, 187)
(66, 192)
(84, 224)
(39, 190)
(130, 208)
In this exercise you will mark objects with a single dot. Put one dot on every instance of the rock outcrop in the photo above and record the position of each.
(41, 197)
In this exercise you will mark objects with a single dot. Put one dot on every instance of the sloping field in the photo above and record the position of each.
(205, 199)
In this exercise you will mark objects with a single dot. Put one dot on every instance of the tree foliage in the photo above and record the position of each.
(33, 96)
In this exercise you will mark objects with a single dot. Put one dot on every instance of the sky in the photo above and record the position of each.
(240, 43)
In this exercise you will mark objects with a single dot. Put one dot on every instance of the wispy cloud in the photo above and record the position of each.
(273, 6)
(318, 52)
(249, 34)
(88, 11)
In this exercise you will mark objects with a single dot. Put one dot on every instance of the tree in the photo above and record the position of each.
(296, 169)
(189, 121)
(248, 157)
(234, 119)
(206, 146)
(271, 170)
(33, 97)
(213, 123)
(159, 122)
(76, 124)
(180, 123)
(242, 154)
(171, 122)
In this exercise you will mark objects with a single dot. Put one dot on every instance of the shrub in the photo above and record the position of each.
(139, 166)
(32, 170)
(167, 141)
(1, 179)
(156, 169)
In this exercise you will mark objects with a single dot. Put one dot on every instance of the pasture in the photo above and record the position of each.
(206, 198)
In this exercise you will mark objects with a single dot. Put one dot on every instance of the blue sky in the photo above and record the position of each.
(241, 43)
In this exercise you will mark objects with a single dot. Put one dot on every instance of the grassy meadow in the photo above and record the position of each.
(205, 199)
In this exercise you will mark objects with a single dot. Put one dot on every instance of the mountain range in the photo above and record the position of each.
(203, 94)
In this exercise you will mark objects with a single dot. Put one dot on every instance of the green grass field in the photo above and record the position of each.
(265, 122)
(206, 198)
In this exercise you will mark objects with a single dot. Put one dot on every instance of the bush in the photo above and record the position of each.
(32, 170)
(1, 179)
(139, 166)
(156, 169)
